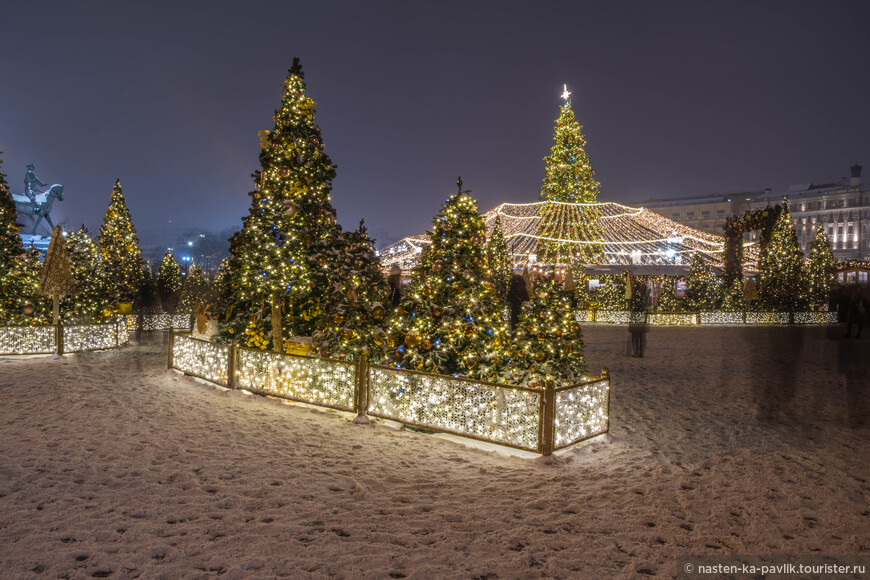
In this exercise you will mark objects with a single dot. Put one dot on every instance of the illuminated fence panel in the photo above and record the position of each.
(582, 412)
(485, 411)
(27, 339)
(325, 382)
(767, 318)
(585, 316)
(203, 359)
(815, 317)
(673, 319)
(614, 316)
(721, 318)
(94, 336)
(160, 321)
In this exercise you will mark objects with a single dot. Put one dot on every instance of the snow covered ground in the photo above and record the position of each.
(723, 441)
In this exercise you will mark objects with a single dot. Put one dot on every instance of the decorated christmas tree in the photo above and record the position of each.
(702, 287)
(274, 255)
(10, 240)
(449, 321)
(122, 256)
(147, 300)
(568, 231)
(781, 276)
(668, 301)
(611, 294)
(168, 282)
(499, 262)
(582, 295)
(356, 303)
(195, 289)
(91, 303)
(821, 272)
(732, 296)
(548, 345)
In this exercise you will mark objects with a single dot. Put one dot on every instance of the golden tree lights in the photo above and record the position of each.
(92, 302)
(498, 261)
(821, 272)
(548, 345)
(355, 308)
(449, 320)
(781, 277)
(274, 258)
(168, 281)
(122, 256)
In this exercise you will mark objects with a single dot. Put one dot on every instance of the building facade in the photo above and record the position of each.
(705, 213)
(842, 209)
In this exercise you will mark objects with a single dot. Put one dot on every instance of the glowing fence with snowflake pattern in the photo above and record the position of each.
(82, 337)
(496, 413)
(323, 382)
(202, 359)
(534, 419)
(43, 339)
(159, 321)
(582, 411)
(27, 339)
(704, 318)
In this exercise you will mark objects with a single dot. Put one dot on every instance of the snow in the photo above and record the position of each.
(113, 466)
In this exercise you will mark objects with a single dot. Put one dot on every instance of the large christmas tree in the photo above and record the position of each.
(91, 303)
(290, 215)
(119, 245)
(356, 304)
(548, 345)
(821, 272)
(568, 231)
(449, 321)
(781, 276)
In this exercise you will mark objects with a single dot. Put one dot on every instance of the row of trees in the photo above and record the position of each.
(108, 271)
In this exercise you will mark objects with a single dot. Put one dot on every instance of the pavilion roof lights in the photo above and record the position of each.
(631, 235)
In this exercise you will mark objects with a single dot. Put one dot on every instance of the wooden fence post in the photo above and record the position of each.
(361, 394)
(58, 337)
(233, 364)
(548, 432)
(171, 345)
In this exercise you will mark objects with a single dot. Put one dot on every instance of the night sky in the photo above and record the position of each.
(675, 99)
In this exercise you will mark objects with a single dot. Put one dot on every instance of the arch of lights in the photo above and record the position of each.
(631, 236)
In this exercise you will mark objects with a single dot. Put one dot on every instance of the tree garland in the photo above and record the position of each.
(736, 226)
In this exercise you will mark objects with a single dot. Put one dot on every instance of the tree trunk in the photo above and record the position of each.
(55, 308)
(277, 332)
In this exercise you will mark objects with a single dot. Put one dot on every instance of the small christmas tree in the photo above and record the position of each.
(668, 301)
(499, 262)
(168, 282)
(147, 299)
(702, 287)
(781, 277)
(290, 215)
(548, 345)
(450, 322)
(611, 294)
(196, 288)
(732, 296)
(91, 303)
(119, 246)
(355, 309)
(821, 272)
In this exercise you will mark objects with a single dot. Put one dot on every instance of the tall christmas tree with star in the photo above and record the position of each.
(275, 270)
(119, 245)
(449, 321)
(568, 230)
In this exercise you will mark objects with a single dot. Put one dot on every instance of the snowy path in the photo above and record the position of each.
(114, 467)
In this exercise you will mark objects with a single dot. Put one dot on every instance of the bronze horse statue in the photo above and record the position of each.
(41, 207)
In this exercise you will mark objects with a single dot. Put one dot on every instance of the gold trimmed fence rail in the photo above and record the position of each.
(538, 420)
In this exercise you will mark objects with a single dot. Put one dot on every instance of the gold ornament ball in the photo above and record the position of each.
(412, 339)
(540, 356)
(378, 312)
(426, 345)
